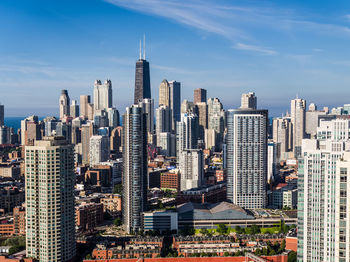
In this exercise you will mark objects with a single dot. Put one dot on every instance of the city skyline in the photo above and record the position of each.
(304, 54)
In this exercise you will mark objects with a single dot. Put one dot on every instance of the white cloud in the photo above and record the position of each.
(254, 48)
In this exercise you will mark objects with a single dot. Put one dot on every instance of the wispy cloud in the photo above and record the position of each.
(254, 48)
(233, 21)
(347, 17)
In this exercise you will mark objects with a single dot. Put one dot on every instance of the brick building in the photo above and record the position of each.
(112, 204)
(88, 216)
(170, 180)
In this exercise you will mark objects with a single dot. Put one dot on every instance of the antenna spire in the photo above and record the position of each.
(140, 48)
(144, 47)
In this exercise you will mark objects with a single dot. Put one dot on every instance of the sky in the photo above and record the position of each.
(277, 49)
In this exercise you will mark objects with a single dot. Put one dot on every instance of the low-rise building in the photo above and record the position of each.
(160, 221)
(285, 195)
(88, 216)
(170, 180)
(204, 194)
(112, 204)
(11, 197)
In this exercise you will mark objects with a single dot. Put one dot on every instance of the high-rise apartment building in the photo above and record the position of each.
(64, 103)
(50, 214)
(86, 133)
(191, 165)
(187, 133)
(248, 101)
(167, 142)
(199, 95)
(322, 198)
(202, 110)
(102, 95)
(113, 117)
(74, 109)
(142, 79)
(30, 130)
(247, 157)
(99, 149)
(282, 135)
(147, 105)
(297, 112)
(135, 168)
(2, 113)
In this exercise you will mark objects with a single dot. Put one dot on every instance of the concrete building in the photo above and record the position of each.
(249, 101)
(64, 104)
(297, 113)
(186, 133)
(247, 157)
(99, 149)
(167, 142)
(282, 130)
(135, 168)
(116, 139)
(50, 179)
(85, 101)
(285, 196)
(86, 134)
(103, 95)
(160, 220)
(191, 165)
(320, 192)
(113, 117)
(164, 93)
(202, 118)
(88, 216)
(199, 96)
(312, 120)
(74, 109)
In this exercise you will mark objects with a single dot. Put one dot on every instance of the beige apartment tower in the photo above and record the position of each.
(50, 214)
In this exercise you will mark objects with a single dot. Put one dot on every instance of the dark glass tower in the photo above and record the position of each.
(142, 81)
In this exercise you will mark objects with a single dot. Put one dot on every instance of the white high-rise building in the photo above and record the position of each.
(297, 113)
(167, 142)
(99, 149)
(50, 211)
(247, 157)
(187, 133)
(321, 193)
(248, 100)
(102, 95)
(282, 131)
(64, 104)
(74, 109)
(191, 167)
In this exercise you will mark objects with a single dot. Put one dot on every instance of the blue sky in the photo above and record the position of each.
(275, 48)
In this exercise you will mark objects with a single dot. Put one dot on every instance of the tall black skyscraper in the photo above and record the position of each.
(142, 78)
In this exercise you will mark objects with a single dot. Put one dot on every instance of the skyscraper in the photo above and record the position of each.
(175, 102)
(64, 103)
(203, 118)
(99, 149)
(248, 101)
(322, 198)
(247, 157)
(147, 105)
(282, 135)
(187, 133)
(50, 211)
(142, 79)
(135, 168)
(2, 115)
(74, 109)
(199, 95)
(102, 95)
(163, 119)
(113, 117)
(85, 100)
(297, 111)
(86, 133)
(164, 93)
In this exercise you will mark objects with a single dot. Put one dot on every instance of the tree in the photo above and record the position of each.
(118, 189)
(117, 222)
(239, 230)
(255, 229)
(222, 229)
(292, 256)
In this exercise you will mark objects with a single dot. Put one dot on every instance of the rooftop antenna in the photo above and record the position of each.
(140, 49)
(144, 47)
